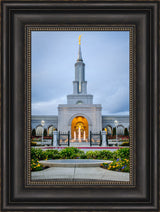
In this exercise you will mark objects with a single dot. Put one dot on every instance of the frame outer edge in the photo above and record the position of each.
(5, 104)
(156, 104)
(6, 111)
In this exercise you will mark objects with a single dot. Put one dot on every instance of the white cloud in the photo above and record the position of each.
(107, 69)
(50, 107)
(113, 102)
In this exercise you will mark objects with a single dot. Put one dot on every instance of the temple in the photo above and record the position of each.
(80, 116)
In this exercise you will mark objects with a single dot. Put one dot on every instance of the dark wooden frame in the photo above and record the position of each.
(15, 196)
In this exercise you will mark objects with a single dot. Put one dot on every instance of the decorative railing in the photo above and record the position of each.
(95, 138)
(64, 138)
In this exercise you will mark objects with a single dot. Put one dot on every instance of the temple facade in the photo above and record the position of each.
(80, 115)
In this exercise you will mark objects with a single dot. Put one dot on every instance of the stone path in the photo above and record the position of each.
(72, 173)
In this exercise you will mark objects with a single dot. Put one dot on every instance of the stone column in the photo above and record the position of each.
(55, 137)
(103, 138)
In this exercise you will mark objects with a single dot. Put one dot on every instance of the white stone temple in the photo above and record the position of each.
(80, 116)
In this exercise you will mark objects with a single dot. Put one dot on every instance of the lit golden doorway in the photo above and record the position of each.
(79, 128)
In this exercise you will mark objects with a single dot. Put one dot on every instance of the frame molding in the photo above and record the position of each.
(132, 76)
(15, 194)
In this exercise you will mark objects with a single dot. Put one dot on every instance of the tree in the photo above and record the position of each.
(114, 131)
(45, 132)
(33, 132)
(126, 133)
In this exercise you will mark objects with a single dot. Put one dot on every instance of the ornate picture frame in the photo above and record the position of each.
(18, 191)
(132, 75)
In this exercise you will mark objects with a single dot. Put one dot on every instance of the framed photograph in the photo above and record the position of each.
(76, 139)
(80, 106)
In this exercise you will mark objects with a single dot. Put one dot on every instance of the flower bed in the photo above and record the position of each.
(126, 143)
(121, 165)
(121, 137)
(40, 137)
(35, 165)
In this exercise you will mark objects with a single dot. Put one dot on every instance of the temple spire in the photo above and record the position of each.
(79, 52)
(79, 85)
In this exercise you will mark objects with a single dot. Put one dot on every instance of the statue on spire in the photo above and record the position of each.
(79, 38)
(79, 52)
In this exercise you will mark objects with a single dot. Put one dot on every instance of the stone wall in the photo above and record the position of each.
(123, 120)
(49, 121)
(66, 113)
(73, 99)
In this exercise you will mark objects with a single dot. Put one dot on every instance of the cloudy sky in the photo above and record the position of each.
(106, 58)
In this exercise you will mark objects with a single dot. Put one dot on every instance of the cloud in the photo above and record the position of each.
(48, 107)
(106, 69)
(114, 103)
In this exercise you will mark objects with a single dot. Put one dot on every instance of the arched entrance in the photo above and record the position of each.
(79, 128)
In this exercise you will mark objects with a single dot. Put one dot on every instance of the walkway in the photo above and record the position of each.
(95, 173)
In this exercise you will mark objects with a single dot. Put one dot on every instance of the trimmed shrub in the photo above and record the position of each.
(92, 154)
(83, 156)
(105, 154)
(75, 153)
(70, 153)
(123, 153)
(52, 154)
(115, 155)
(38, 154)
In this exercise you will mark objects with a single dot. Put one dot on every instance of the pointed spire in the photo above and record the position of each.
(79, 52)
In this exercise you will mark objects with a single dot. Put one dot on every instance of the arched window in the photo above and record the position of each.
(120, 130)
(39, 131)
(50, 130)
(79, 102)
(109, 130)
